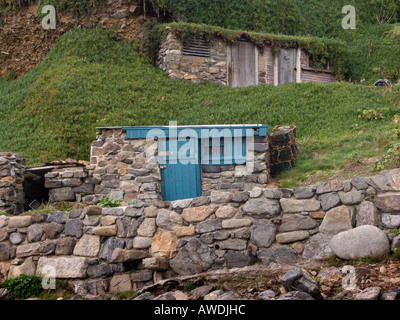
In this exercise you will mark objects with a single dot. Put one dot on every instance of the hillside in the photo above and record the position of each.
(89, 77)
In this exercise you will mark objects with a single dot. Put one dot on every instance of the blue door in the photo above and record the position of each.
(179, 168)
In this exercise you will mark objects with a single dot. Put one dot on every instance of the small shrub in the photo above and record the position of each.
(390, 159)
(109, 203)
(189, 286)
(24, 286)
(371, 114)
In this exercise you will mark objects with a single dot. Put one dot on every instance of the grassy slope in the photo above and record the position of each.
(89, 79)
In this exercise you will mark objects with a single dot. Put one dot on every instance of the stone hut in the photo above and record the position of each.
(239, 64)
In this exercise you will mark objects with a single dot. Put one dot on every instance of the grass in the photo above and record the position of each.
(90, 79)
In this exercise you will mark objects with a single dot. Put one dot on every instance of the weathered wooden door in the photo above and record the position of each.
(286, 66)
(242, 64)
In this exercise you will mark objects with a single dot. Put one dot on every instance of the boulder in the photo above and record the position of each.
(360, 242)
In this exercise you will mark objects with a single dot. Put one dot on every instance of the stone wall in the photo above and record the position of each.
(128, 169)
(125, 248)
(12, 169)
(195, 69)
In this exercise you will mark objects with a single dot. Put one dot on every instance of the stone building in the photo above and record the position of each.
(239, 64)
(166, 163)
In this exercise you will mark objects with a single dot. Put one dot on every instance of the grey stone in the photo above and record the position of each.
(193, 257)
(296, 279)
(317, 247)
(61, 194)
(145, 296)
(281, 255)
(132, 211)
(293, 236)
(296, 295)
(58, 217)
(108, 247)
(391, 221)
(209, 226)
(367, 214)
(155, 263)
(293, 222)
(17, 238)
(352, 197)
(395, 243)
(99, 270)
(65, 246)
(360, 183)
(127, 228)
(5, 249)
(266, 295)
(336, 220)
(304, 192)
(235, 259)
(87, 246)
(240, 196)
(65, 267)
(76, 213)
(142, 276)
(200, 292)
(371, 293)
(271, 193)
(233, 244)
(388, 202)
(34, 232)
(117, 211)
(230, 295)
(329, 200)
(47, 247)
(26, 250)
(73, 228)
(299, 205)
(93, 210)
(263, 234)
(181, 204)
(261, 208)
(361, 242)
(165, 296)
(329, 186)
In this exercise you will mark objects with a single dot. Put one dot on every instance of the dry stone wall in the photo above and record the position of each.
(125, 248)
(12, 170)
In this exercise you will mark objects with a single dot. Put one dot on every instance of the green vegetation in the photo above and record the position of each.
(109, 203)
(23, 286)
(89, 80)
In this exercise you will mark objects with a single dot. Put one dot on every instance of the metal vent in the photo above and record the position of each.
(198, 48)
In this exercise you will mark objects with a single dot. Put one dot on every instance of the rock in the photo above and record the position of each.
(233, 244)
(209, 226)
(34, 232)
(193, 257)
(115, 211)
(168, 219)
(155, 263)
(61, 194)
(293, 222)
(230, 295)
(236, 223)
(297, 206)
(304, 192)
(5, 249)
(281, 255)
(181, 204)
(371, 293)
(165, 296)
(164, 244)
(391, 221)
(226, 212)
(352, 197)
(213, 295)
(296, 279)
(329, 200)
(120, 283)
(395, 243)
(392, 295)
(240, 196)
(65, 267)
(47, 248)
(127, 227)
(107, 231)
(360, 242)
(93, 211)
(88, 246)
(19, 222)
(5, 295)
(388, 202)
(26, 250)
(263, 234)
(27, 267)
(293, 236)
(198, 214)
(52, 229)
(65, 246)
(185, 231)
(73, 228)
(261, 208)
(336, 220)
(235, 259)
(220, 197)
(360, 183)
(108, 247)
(200, 292)
(317, 247)
(147, 228)
(17, 238)
(99, 270)
(145, 296)
(367, 214)
(58, 217)
(266, 295)
(142, 276)
(330, 186)
(296, 295)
